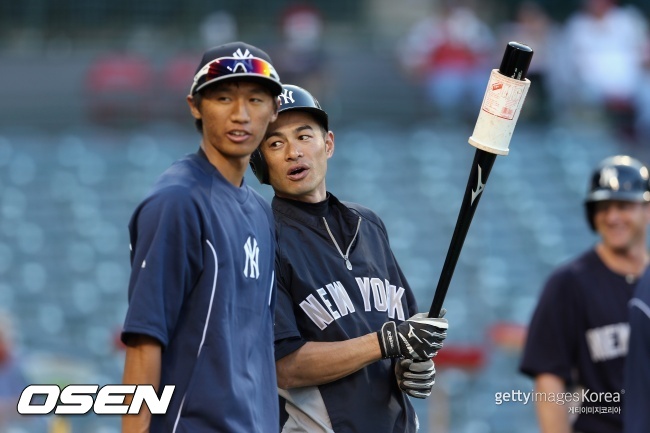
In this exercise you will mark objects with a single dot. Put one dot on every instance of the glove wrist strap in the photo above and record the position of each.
(388, 340)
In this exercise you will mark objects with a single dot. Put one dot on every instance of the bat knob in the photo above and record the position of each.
(516, 60)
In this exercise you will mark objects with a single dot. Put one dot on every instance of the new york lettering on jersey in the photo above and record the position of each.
(608, 342)
(334, 301)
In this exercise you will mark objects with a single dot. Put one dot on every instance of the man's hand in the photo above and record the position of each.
(416, 378)
(418, 338)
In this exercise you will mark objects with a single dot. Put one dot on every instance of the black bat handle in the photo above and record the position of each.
(516, 60)
(514, 64)
(481, 167)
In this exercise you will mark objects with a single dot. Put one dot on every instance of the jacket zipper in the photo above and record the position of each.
(347, 252)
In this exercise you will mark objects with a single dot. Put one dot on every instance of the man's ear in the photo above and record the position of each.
(329, 144)
(193, 108)
(276, 107)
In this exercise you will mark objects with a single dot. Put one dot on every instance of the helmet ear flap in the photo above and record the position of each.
(259, 166)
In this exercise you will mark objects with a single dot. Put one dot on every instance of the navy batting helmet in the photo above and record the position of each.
(617, 178)
(291, 98)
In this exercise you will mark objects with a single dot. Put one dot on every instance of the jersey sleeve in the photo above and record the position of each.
(287, 335)
(166, 258)
(553, 332)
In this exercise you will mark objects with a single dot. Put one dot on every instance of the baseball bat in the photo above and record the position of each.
(504, 96)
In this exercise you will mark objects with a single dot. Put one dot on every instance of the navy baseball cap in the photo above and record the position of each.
(236, 60)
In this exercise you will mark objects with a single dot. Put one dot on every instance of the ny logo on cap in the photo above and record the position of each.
(239, 55)
(609, 178)
(287, 96)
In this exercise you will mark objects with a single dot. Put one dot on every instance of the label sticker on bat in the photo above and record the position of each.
(504, 96)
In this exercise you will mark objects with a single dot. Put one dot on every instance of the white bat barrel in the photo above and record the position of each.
(504, 97)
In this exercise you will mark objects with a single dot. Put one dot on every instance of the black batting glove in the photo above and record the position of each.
(419, 338)
(415, 378)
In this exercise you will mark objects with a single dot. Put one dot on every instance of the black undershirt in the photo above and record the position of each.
(332, 214)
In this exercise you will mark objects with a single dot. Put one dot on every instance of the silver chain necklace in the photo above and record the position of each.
(347, 253)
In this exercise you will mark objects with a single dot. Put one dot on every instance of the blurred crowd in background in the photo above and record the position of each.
(92, 107)
(594, 66)
(132, 63)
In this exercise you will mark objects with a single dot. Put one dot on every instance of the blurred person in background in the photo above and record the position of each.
(12, 378)
(300, 55)
(217, 28)
(642, 126)
(534, 27)
(201, 292)
(636, 416)
(449, 54)
(349, 345)
(606, 46)
(578, 335)
(118, 89)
